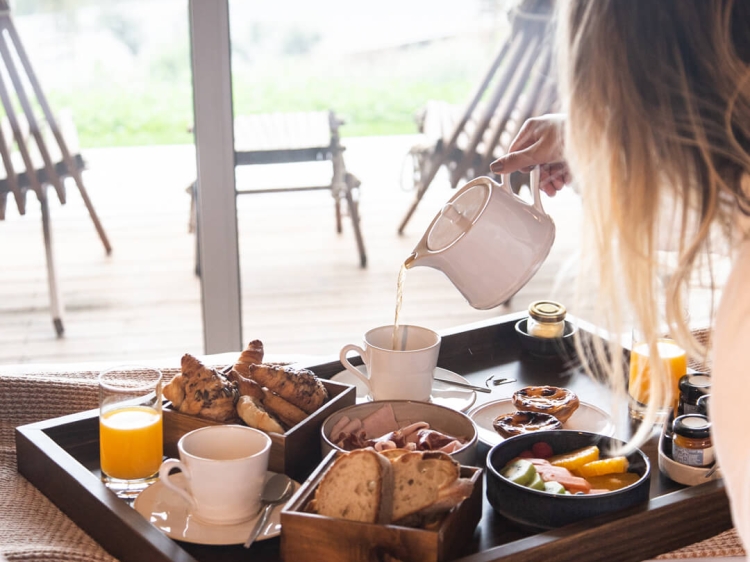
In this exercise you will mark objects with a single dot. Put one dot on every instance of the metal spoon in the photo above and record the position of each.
(277, 490)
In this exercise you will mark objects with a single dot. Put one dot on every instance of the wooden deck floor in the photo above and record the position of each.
(302, 288)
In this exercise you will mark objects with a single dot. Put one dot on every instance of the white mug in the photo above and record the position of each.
(224, 468)
(404, 373)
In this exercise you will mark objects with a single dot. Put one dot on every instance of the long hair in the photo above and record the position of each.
(658, 136)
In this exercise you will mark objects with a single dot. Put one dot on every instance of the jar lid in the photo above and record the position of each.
(694, 426)
(694, 385)
(547, 311)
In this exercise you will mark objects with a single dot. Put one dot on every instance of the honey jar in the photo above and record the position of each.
(546, 319)
(691, 440)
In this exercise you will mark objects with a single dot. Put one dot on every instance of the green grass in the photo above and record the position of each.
(376, 95)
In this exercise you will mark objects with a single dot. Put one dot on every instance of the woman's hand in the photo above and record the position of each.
(539, 142)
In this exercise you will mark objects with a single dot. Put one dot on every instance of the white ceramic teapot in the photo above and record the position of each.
(488, 241)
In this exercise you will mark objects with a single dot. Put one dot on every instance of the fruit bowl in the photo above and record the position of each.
(540, 510)
(446, 420)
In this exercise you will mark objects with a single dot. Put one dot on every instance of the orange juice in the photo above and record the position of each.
(673, 358)
(130, 442)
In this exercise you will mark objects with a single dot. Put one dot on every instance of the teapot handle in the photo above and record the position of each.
(535, 189)
(534, 181)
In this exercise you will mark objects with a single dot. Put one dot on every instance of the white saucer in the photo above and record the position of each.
(586, 418)
(444, 394)
(169, 513)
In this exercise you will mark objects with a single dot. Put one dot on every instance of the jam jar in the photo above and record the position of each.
(546, 319)
(691, 440)
(692, 387)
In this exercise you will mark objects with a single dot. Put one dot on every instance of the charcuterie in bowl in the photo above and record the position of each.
(401, 424)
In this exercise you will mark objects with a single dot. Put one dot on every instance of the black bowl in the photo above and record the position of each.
(547, 347)
(538, 510)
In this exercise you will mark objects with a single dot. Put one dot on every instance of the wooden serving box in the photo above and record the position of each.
(294, 453)
(309, 536)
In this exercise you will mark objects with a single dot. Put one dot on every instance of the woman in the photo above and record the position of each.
(656, 98)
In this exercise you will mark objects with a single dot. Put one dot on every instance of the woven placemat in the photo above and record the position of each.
(724, 544)
(32, 528)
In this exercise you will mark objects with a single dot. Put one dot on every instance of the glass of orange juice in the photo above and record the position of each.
(674, 361)
(130, 428)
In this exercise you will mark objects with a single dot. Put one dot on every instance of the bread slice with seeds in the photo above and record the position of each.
(359, 487)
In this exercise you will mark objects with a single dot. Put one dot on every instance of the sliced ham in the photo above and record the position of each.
(431, 440)
(380, 422)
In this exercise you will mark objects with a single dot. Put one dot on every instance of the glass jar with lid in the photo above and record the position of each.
(691, 441)
(546, 319)
(692, 387)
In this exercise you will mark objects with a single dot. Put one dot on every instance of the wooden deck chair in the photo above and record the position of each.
(35, 149)
(516, 86)
(285, 138)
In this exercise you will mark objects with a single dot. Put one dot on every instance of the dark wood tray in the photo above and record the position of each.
(61, 458)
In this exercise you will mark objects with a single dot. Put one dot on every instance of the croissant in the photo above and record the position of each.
(202, 392)
(299, 386)
(251, 355)
(254, 415)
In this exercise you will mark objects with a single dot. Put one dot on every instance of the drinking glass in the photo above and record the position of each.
(130, 428)
(674, 361)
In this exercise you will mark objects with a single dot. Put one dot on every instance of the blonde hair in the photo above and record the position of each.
(658, 101)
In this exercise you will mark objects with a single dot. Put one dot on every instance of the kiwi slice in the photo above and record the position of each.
(554, 488)
(519, 471)
(537, 483)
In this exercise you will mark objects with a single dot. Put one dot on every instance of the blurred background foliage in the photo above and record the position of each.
(123, 66)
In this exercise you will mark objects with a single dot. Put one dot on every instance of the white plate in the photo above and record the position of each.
(169, 513)
(454, 397)
(586, 418)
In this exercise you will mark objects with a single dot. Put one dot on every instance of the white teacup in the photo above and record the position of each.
(224, 468)
(405, 373)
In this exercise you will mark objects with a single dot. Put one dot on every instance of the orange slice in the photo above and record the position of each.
(614, 465)
(576, 459)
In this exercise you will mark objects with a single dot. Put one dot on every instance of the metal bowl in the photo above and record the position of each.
(538, 510)
(440, 418)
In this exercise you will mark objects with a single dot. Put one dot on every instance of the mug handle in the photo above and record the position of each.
(351, 368)
(164, 470)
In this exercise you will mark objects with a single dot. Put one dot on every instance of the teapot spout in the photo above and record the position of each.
(422, 256)
(409, 262)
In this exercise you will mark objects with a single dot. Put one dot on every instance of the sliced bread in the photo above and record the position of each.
(359, 487)
(419, 478)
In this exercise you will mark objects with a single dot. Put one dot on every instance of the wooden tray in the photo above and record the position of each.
(61, 458)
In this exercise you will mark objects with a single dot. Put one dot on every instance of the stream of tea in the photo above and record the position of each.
(399, 300)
